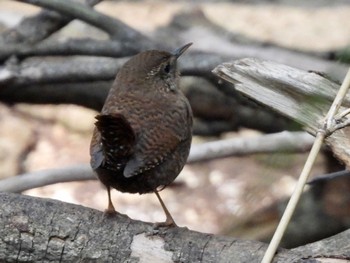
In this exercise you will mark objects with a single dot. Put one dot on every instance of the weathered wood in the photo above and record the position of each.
(45, 230)
(300, 95)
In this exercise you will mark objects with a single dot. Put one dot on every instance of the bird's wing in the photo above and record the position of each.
(114, 142)
(154, 148)
(161, 135)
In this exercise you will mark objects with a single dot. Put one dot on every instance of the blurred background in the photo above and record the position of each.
(241, 196)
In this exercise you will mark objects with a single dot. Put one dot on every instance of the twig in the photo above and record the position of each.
(327, 177)
(338, 101)
(320, 136)
(31, 180)
(342, 114)
(271, 143)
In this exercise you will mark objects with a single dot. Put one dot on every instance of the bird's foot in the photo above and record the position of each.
(160, 228)
(109, 212)
(167, 224)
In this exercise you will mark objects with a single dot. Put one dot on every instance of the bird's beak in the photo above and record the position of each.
(178, 52)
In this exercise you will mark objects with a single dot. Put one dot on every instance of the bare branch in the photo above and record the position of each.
(28, 181)
(328, 177)
(115, 28)
(36, 28)
(284, 141)
(91, 94)
(85, 46)
(59, 69)
(279, 142)
(75, 69)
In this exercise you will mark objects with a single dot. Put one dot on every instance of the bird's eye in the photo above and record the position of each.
(167, 68)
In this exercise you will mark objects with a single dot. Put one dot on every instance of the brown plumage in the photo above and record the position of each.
(143, 135)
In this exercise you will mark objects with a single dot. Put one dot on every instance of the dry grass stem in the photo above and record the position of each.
(320, 136)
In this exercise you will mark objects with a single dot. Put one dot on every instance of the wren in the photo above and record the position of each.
(143, 134)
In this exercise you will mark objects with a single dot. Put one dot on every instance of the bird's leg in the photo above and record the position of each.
(169, 222)
(110, 209)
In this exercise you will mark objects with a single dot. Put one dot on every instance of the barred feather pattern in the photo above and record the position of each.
(143, 134)
(117, 140)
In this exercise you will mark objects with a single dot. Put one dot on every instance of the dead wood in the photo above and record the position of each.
(300, 95)
(72, 233)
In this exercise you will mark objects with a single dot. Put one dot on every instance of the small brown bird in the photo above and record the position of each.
(143, 135)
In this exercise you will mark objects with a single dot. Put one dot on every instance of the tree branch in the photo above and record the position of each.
(70, 233)
(36, 28)
(88, 94)
(82, 46)
(36, 179)
(62, 69)
(281, 142)
(115, 28)
(59, 69)
(229, 113)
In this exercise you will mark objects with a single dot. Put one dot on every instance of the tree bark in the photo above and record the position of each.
(45, 230)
